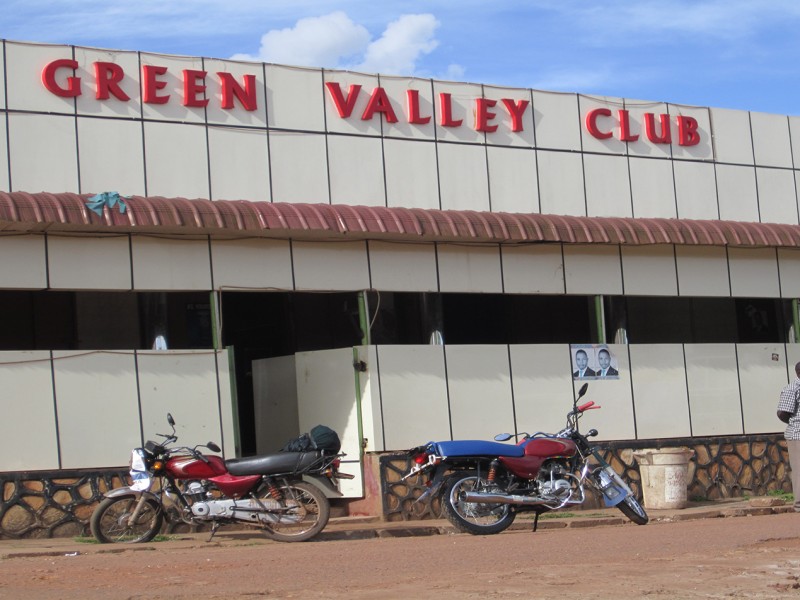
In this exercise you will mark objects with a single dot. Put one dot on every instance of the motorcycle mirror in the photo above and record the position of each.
(583, 389)
(591, 433)
(170, 420)
(213, 447)
(503, 437)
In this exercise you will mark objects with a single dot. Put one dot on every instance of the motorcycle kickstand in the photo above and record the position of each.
(536, 521)
(214, 527)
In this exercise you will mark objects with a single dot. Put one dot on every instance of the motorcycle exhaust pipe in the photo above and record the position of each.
(484, 498)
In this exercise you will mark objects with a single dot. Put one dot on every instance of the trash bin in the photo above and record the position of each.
(665, 474)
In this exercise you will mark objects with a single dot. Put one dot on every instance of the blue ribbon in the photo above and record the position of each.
(109, 199)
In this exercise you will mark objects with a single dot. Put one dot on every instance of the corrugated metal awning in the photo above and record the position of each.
(25, 212)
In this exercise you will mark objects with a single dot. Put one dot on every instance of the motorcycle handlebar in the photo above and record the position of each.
(588, 406)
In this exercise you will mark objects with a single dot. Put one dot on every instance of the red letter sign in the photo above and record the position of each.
(483, 115)
(625, 127)
(108, 76)
(447, 112)
(413, 108)
(591, 123)
(650, 129)
(343, 106)
(194, 86)
(151, 84)
(230, 88)
(515, 111)
(49, 78)
(379, 102)
(687, 131)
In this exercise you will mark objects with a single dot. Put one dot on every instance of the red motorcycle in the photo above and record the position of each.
(266, 492)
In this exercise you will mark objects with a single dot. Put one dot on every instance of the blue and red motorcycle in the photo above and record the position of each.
(484, 484)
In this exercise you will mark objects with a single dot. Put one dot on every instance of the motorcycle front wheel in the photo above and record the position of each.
(110, 522)
(477, 518)
(631, 508)
(301, 514)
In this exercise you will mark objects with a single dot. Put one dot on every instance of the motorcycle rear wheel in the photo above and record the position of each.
(631, 508)
(304, 512)
(476, 518)
(109, 522)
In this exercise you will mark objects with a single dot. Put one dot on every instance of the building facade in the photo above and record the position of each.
(226, 241)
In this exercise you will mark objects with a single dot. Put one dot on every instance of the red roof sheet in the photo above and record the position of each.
(21, 211)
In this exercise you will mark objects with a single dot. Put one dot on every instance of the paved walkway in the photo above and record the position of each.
(355, 528)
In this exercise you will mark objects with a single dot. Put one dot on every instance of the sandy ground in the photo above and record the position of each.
(745, 557)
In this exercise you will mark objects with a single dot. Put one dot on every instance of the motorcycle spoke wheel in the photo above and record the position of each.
(302, 514)
(110, 522)
(477, 518)
(631, 508)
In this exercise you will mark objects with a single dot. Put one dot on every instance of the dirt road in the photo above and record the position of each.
(747, 557)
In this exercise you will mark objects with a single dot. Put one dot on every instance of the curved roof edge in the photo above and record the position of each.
(66, 212)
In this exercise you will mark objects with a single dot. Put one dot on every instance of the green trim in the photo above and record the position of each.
(234, 401)
(600, 319)
(356, 373)
(215, 341)
(796, 319)
(363, 318)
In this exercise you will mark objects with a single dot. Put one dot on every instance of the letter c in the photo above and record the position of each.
(591, 123)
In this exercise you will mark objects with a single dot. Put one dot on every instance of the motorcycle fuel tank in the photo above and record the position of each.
(189, 467)
(538, 450)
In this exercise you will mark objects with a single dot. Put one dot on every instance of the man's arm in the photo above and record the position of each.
(784, 416)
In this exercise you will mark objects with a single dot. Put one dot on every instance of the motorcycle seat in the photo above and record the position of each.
(274, 464)
(478, 448)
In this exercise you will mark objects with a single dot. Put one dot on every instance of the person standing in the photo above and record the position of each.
(789, 413)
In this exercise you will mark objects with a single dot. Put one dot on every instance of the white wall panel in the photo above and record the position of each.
(24, 66)
(182, 383)
(610, 124)
(403, 267)
(558, 124)
(649, 270)
(24, 264)
(561, 189)
(295, 98)
(777, 198)
(354, 123)
(166, 264)
(704, 150)
(754, 272)
(762, 367)
(533, 269)
(738, 198)
(337, 266)
(37, 165)
(462, 104)
(702, 271)
(326, 393)
(504, 135)
(5, 185)
(89, 263)
(512, 180)
(464, 180)
(636, 116)
(653, 188)
(732, 140)
(469, 268)
(239, 164)
(112, 156)
(713, 389)
(396, 89)
(173, 109)
(592, 269)
(238, 115)
(28, 437)
(695, 190)
(176, 160)
(792, 358)
(412, 179)
(479, 384)
(299, 167)
(789, 270)
(658, 374)
(275, 402)
(614, 420)
(413, 388)
(98, 409)
(3, 71)
(251, 263)
(226, 401)
(542, 383)
(87, 102)
(771, 142)
(794, 134)
(356, 165)
(608, 189)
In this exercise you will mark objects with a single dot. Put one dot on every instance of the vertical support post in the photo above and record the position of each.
(796, 320)
(363, 318)
(600, 319)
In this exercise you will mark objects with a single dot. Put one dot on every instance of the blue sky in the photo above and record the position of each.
(742, 54)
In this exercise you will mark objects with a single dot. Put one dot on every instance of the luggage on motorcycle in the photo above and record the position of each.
(321, 437)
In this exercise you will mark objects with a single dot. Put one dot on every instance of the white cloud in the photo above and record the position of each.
(335, 41)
